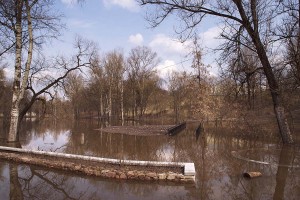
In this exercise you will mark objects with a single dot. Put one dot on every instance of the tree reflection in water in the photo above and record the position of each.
(15, 186)
(287, 156)
(27, 182)
(219, 174)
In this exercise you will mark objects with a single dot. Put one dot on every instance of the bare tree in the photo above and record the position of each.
(2, 85)
(243, 67)
(114, 67)
(96, 86)
(289, 33)
(141, 62)
(85, 53)
(248, 19)
(177, 86)
(43, 80)
(21, 19)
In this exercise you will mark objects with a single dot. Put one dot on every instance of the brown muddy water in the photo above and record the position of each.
(221, 155)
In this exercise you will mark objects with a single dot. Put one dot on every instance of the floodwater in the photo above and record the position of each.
(221, 153)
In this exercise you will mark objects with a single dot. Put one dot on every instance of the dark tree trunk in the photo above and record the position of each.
(275, 93)
(268, 71)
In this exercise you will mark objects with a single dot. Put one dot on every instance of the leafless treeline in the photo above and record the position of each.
(114, 86)
(118, 87)
(260, 54)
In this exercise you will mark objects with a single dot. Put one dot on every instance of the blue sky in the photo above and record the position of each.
(121, 24)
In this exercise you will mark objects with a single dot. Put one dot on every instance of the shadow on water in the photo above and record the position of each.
(219, 174)
(198, 131)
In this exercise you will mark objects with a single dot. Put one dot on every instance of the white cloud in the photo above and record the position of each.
(126, 4)
(209, 37)
(209, 41)
(173, 53)
(68, 2)
(81, 23)
(168, 45)
(136, 39)
(171, 47)
(166, 67)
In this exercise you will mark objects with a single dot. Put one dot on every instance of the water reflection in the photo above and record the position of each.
(219, 174)
(271, 156)
(27, 182)
(287, 158)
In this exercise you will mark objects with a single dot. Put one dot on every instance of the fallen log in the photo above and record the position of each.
(252, 174)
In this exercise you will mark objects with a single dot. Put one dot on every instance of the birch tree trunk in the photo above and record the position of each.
(18, 87)
(110, 102)
(16, 98)
(101, 105)
(122, 102)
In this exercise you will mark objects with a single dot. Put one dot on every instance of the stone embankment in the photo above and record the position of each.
(108, 168)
